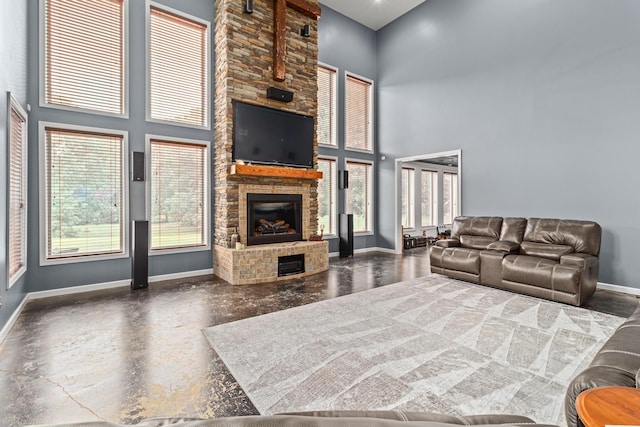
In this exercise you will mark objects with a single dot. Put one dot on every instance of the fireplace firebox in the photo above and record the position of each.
(274, 218)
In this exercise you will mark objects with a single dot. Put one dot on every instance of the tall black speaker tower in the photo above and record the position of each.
(346, 235)
(140, 255)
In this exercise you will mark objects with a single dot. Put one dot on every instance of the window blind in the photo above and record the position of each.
(326, 106)
(429, 197)
(178, 69)
(449, 196)
(84, 54)
(17, 193)
(179, 208)
(84, 193)
(359, 197)
(358, 114)
(408, 195)
(327, 196)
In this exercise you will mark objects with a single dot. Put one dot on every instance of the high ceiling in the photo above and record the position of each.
(375, 14)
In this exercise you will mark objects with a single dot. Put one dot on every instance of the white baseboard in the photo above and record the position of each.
(387, 251)
(618, 288)
(182, 275)
(88, 288)
(12, 320)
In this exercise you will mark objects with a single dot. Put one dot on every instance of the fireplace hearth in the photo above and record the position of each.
(273, 218)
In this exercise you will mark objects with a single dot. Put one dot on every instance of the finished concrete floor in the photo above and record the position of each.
(122, 355)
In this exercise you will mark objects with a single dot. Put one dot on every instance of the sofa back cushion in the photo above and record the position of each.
(476, 232)
(485, 226)
(582, 236)
(545, 250)
(513, 229)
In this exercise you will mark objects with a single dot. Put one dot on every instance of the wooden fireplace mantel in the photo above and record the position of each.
(274, 171)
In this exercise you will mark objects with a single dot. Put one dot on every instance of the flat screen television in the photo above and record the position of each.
(263, 135)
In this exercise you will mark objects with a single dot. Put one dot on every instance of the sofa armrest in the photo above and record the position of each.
(448, 243)
(592, 377)
(584, 261)
(504, 246)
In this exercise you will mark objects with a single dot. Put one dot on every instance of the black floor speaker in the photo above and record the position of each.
(346, 235)
(140, 255)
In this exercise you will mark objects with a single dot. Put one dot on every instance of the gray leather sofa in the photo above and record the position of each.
(616, 364)
(337, 419)
(556, 259)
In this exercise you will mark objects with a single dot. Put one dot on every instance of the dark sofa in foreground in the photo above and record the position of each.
(338, 419)
(617, 363)
(555, 259)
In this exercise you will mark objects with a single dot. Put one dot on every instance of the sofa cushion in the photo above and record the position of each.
(486, 226)
(475, 242)
(582, 236)
(513, 229)
(504, 246)
(461, 259)
(545, 250)
(541, 272)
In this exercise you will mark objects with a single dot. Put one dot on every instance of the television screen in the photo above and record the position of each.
(268, 136)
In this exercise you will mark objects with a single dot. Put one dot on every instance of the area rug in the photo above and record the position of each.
(430, 344)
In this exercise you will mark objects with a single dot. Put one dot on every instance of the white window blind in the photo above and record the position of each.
(178, 69)
(179, 201)
(327, 196)
(326, 106)
(84, 193)
(429, 195)
(17, 238)
(358, 114)
(359, 195)
(85, 54)
(408, 197)
(449, 197)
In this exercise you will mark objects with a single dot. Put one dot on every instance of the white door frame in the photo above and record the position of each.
(398, 186)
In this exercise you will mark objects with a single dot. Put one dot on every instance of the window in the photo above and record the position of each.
(17, 200)
(358, 114)
(84, 55)
(429, 196)
(179, 194)
(408, 197)
(449, 197)
(327, 196)
(359, 195)
(326, 106)
(85, 193)
(178, 69)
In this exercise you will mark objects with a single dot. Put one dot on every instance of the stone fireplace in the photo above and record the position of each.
(244, 70)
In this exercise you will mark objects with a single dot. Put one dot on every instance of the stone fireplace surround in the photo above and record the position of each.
(273, 218)
(243, 190)
(259, 263)
(238, 37)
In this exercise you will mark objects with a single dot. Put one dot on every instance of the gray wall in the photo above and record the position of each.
(52, 277)
(348, 46)
(13, 78)
(543, 98)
